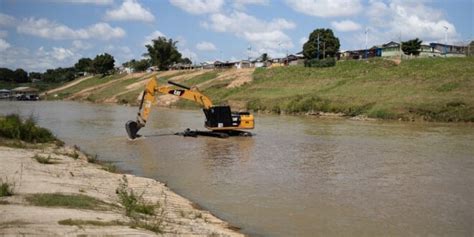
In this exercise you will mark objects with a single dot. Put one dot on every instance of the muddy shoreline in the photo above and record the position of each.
(74, 174)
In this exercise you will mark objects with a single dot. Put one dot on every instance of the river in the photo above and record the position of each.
(298, 176)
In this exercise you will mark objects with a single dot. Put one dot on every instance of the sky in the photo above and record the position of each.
(41, 34)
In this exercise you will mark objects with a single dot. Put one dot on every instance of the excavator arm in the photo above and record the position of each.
(148, 98)
(219, 119)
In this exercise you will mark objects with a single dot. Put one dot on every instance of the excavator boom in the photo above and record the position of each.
(217, 117)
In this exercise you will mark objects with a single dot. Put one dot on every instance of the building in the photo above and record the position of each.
(243, 64)
(5, 94)
(449, 50)
(390, 49)
(25, 93)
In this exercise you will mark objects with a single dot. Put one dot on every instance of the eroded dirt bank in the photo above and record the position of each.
(76, 176)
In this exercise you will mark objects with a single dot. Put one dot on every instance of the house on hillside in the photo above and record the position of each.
(25, 93)
(207, 65)
(390, 49)
(223, 65)
(5, 94)
(243, 64)
(449, 50)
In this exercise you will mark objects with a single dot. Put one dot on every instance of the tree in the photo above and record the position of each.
(412, 47)
(186, 61)
(163, 52)
(35, 75)
(84, 65)
(103, 63)
(264, 57)
(140, 66)
(7, 75)
(328, 44)
(59, 74)
(21, 76)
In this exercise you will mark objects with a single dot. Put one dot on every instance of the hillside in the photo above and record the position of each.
(433, 89)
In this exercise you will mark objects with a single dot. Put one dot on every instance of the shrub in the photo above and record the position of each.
(327, 62)
(6, 188)
(13, 127)
(132, 203)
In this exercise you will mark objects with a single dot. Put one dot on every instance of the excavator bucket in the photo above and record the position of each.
(132, 129)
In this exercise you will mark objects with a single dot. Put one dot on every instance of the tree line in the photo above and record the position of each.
(101, 64)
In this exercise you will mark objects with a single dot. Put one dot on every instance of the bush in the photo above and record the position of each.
(6, 188)
(13, 127)
(327, 62)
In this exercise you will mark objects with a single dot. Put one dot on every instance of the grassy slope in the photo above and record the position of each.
(435, 89)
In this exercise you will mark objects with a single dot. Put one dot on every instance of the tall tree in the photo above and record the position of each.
(186, 61)
(412, 47)
(103, 63)
(264, 57)
(34, 75)
(163, 52)
(84, 65)
(21, 76)
(7, 75)
(328, 44)
(140, 66)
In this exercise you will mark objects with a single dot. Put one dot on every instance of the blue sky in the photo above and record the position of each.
(42, 34)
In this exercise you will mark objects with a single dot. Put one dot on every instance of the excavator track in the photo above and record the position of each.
(219, 134)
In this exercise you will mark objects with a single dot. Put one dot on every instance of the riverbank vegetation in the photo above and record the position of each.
(429, 89)
(13, 127)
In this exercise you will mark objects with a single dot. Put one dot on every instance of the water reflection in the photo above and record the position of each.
(297, 176)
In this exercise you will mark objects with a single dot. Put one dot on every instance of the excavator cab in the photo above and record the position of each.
(220, 120)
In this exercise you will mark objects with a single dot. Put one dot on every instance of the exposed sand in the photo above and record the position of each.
(75, 82)
(76, 176)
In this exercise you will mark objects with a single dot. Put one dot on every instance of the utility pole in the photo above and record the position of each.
(318, 48)
(366, 53)
(324, 49)
(445, 41)
(248, 52)
(400, 39)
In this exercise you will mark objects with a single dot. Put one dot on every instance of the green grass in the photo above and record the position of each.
(13, 127)
(201, 78)
(77, 222)
(131, 202)
(6, 188)
(67, 201)
(91, 82)
(44, 160)
(435, 89)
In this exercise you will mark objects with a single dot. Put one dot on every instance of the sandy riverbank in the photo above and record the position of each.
(72, 174)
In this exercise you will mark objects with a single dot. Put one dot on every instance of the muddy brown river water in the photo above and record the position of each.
(298, 176)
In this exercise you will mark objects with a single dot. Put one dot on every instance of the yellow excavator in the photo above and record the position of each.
(220, 120)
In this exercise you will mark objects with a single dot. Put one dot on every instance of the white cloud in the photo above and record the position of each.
(97, 2)
(61, 53)
(409, 19)
(187, 53)
(130, 10)
(51, 30)
(152, 36)
(326, 8)
(240, 4)
(303, 40)
(345, 25)
(199, 6)
(81, 45)
(3, 34)
(7, 20)
(206, 46)
(264, 36)
(4, 45)
(38, 60)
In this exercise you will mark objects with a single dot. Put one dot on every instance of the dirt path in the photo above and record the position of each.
(75, 82)
(174, 216)
(83, 94)
(237, 77)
